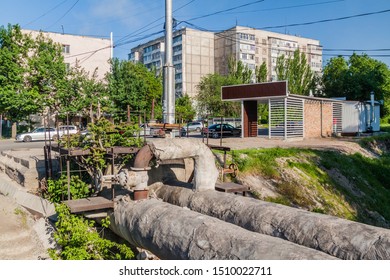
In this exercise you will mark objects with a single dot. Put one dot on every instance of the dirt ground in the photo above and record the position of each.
(19, 239)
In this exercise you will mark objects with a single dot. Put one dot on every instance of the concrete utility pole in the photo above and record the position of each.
(169, 70)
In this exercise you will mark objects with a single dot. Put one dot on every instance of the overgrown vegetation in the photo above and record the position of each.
(353, 187)
(104, 134)
(57, 190)
(80, 240)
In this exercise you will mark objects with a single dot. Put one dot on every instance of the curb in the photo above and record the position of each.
(33, 203)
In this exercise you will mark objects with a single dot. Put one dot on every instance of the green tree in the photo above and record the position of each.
(209, 97)
(184, 109)
(356, 78)
(261, 73)
(134, 85)
(84, 94)
(238, 71)
(46, 72)
(297, 72)
(17, 100)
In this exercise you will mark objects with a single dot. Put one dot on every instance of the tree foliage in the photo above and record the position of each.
(261, 73)
(17, 100)
(356, 78)
(46, 72)
(134, 85)
(184, 109)
(209, 97)
(239, 72)
(84, 94)
(297, 72)
(32, 73)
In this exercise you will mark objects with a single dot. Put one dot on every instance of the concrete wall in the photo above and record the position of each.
(317, 119)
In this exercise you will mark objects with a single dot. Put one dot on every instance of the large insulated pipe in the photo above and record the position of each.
(205, 171)
(173, 233)
(338, 237)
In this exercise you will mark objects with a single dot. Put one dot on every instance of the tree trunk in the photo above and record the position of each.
(335, 236)
(173, 233)
(13, 130)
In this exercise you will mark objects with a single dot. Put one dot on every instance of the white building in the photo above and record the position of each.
(89, 52)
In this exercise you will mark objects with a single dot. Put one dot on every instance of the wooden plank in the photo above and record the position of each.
(231, 187)
(89, 204)
(221, 148)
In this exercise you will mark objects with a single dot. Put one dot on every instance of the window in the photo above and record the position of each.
(65, 48)
(176, 39)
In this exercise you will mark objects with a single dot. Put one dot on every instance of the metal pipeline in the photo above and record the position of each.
(205, 171)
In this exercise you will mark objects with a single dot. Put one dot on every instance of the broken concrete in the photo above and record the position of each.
(25, 166)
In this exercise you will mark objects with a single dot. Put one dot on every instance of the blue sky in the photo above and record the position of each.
(134, 22)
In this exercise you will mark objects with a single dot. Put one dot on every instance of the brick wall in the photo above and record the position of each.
(314, 123)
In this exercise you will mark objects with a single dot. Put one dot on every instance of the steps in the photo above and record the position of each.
(25, 166)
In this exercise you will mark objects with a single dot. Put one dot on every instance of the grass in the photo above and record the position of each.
(385, 127)
(22, 215)
(349, 186)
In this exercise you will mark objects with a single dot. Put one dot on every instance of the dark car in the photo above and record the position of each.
(214, 130)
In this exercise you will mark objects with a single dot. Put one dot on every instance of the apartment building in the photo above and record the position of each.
(89, 53)
(198, 53)
(193, 57)
(254, 46)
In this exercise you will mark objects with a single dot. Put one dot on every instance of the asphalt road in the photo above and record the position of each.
(10, 144)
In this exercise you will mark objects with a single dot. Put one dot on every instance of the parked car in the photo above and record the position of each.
(193, 126)
(67, 129)
(38, 134)
(214, 130)
(144, 130)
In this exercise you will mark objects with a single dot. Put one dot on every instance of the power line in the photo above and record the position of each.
(356, 50)
(64, 14)
(41, 16)
(226, 10)
(326, 20)
(132, 34)
(288, 7)
(370, 55)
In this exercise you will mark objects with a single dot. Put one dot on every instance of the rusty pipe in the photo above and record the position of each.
(143, 157)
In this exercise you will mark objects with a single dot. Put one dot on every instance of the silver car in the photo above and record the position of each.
(38, 134)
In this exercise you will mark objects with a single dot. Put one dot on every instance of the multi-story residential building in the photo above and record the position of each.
(90, 53)
(254, 46)
(198, 53)
(193, 57)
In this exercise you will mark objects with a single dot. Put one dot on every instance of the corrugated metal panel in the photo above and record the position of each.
(286, 118)
(294, 116)
(337, 118)
(276, 117)
(351, 117)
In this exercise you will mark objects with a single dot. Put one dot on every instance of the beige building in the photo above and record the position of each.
(89, 53)
(198, 53)
(254, 46)
(193, 57)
